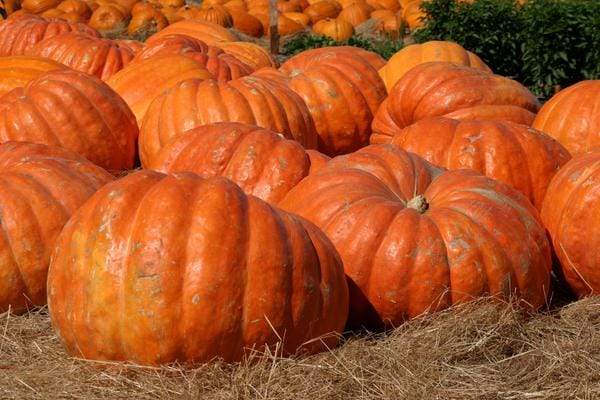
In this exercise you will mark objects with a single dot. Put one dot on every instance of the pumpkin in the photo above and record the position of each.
(18, 35)
(78, 7)
(321, 10)
(221, 65)
(569, 213)
(17, 71)
(381, 14)
(572, 117)
(413, 14)
(235, 6)
(38, 6)
(391, 5)
(171, 14)
(134, 45)
(336, 29)
(141, 82)
(390, 26)
(247, 24)
(411, 56)
(10, 6)
(249, 53)
(94, 56)
(188, 12)
(286, 26)
(165, 305)
(260, 161)
(217, 15)
(306, 59)
(52, 13)
(355, 14)
(523, 158)
(171, 3)
(298, 17)
(108, 18)
(202, 30)
(342, 91)
(436, 89)
(416, 239)
(143, 7)
(74, 17)
(34, 208)
(146, 23)
(73, 110)
(251, 100)
(288, 6)
(262, 17)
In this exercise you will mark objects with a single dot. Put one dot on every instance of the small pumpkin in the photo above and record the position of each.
(355, 14)
(247, 23)
(298, 17)
(413, 14)
(207, 32)
(392, 5)
(78, 7)
(249, 53)
(146, 23)
(216, 14)
(108, 18)
(322, 9)
(336, 29)
(286, 26)
(38, 6)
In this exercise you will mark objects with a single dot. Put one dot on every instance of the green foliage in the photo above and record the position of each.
(546, 44)
(384, 47)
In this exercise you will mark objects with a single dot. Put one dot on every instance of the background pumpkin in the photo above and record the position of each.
(571, 117)
(252, 100)
(145, 23)
(108, 18)
(73, 110)
(249, 53)
(294, 287)
(141, 82)
(569, 213)
(444, 89)
(216, 14)
(202, 30)
(247, 24)
(414, 239)
(261, 162)
(322, 9)
(333, 28)
(34, 208)
(17, 71)
(515, 154)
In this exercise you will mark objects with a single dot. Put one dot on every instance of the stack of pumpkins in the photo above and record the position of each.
(138, 19)
(240, 231)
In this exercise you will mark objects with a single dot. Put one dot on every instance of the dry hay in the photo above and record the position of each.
(476, 351)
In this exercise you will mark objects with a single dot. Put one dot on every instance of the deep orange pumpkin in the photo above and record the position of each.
(41, 187)
(123, 251)
(73, 110)
(437, 89)
(322, 9)
(250, 53)
(515, 154)
(415, 239)
(209, 33)
(17, 71)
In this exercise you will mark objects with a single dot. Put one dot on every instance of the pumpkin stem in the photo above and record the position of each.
(418, 203)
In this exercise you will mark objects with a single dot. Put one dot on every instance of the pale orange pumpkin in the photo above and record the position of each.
(336, 29)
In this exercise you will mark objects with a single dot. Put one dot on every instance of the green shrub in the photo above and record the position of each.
(545, 44)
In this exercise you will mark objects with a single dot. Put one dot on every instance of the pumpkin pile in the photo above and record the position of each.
(186, 199)
(336, 19)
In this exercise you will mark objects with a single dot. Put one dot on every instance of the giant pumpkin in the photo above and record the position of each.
(202, 30)
(416, 239)
(41, 187)
(512, 153)
(415, 54)
(73, 110)
(17, 71)
(436, 89)
(251, 100)
(572, 117)
(160, 268)
(94, 56)
(141, 82)
(19, 34)
(260, 161)
(250, 53)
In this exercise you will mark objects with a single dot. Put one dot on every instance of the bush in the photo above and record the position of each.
(545, 44)
(384, 47)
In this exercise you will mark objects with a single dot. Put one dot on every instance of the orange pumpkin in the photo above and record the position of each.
(171, 3)
(260, 161)
(249, 53)
(73, 110)
(78, 7)
(141, 82)
(35, 207)
(569, 213)
(413, 15)
(391, 5)
(415, 54)
(382, 14)
(52, 13)
(336, 29)
(146, 23)
(307, 59)
(94, 56)
(524, 158)
(217, 15)
(572, 117)
(18, 71)
(298, 17)
(202, 30)
(246, 23)
(355, 14)
(321, 10)
(286, 26)
(235, 5)
(108, 18)
(171, 14)
(437, 89)
(285, 6)
(415, 239)
(38, 6)
(251, 100)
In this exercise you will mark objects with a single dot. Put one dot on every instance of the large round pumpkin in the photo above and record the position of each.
(17, 71)
(221, 65)
(515, 154)
(94, 56)
(343, 92)
(73, 110)
(308, 58)
(250, 53)
(437, 89)
(570, 213)
(41, 187)
(572, 117)
(415, 239)
(19, 35)
(141, 82)
(251, 100)
(260, 161)
(207, 32)
(415, 54)
(160, 268)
